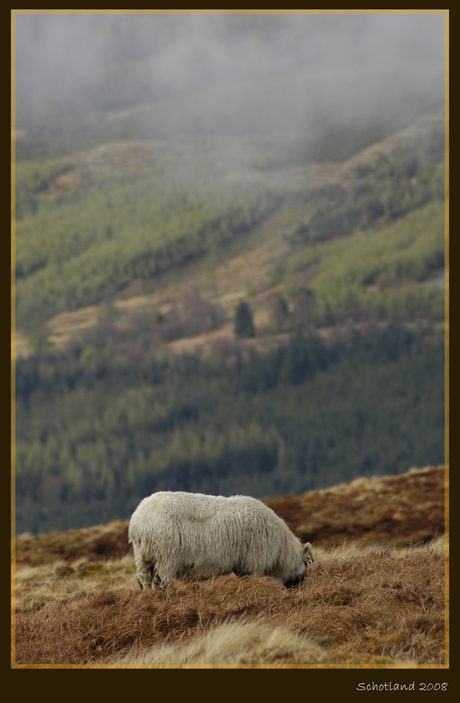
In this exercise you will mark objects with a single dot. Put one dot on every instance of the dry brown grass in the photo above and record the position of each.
(237, 643)
(375, 599)
(392, 511)
(93, 544)
(358, 607)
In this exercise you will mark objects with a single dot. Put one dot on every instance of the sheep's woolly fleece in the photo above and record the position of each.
(177, 534)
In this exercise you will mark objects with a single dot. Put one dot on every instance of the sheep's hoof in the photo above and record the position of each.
(144, 586)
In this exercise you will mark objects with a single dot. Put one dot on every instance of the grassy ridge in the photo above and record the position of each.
(77, 601)
(399, 511)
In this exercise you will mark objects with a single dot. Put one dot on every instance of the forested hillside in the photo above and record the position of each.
(113, 416)
(95, 240)
(131, 212)
(229, 272)
(96, 433)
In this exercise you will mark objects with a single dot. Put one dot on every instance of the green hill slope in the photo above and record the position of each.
(90, 226)
(161, 259)
(85, 245)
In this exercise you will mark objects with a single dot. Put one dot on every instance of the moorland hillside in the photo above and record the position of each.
(376, 597)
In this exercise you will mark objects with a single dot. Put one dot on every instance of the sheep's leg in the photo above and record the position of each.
(166, 570)
(145, 571)
(158, 582)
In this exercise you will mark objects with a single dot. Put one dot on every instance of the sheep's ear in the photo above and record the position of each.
(308, 554)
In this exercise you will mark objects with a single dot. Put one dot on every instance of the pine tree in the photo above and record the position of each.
(244, 323)
(280, 313)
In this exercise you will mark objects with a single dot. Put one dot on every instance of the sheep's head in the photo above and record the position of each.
(308, 554)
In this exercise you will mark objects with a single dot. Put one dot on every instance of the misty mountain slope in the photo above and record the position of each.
(200, 127)
(141, 223)
(168, 168)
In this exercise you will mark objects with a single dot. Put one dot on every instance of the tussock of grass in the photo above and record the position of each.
(236, 643)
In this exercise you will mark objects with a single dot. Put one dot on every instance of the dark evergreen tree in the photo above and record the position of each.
(244, 323)
(280, 312)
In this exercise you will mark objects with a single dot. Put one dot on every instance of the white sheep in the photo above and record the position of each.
(178, 533)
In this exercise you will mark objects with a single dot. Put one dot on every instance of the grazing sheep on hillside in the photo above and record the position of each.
(175, 533)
